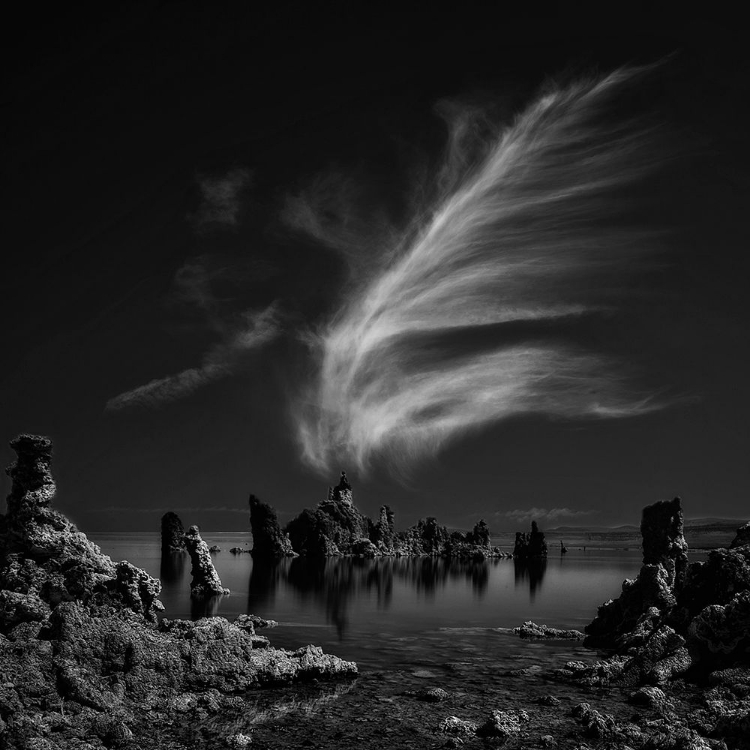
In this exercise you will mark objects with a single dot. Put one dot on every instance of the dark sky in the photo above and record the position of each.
(151, 156)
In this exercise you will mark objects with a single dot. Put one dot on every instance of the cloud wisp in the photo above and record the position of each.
(439, 340)
(221, 361)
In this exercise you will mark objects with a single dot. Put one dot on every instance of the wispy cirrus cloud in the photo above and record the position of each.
(524, 233)
(221, 361)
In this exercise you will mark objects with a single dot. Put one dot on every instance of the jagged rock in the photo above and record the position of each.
(251, 622)
(659, 581)
(206, 581)
(531, 630)
(342, 492)
(332, 528)
(596, 724)
(82, 658)
(743, 536)
(531, 544)
(383, 532)
(651, 697)
(723, 631)
(269, 541)
(364, 547)
(172, 533)
(503, 724)
(427, 537)
(47, 558)
(458, 727)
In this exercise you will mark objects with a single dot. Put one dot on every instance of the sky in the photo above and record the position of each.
(492, 264)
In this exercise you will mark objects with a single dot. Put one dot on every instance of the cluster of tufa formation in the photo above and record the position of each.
(336, 527)
(531, 544)
(85, 661)
(679, 620)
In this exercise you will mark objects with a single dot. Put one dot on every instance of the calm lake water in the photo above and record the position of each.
(390, 612)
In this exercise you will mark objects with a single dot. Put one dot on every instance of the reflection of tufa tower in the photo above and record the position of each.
(342, 492)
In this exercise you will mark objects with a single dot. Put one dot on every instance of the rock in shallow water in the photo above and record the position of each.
(206, 581)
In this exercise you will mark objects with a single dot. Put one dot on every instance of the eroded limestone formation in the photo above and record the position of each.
(206, 581)
(675, 618)
(172, 533)
(336, 527)
(269, 541)
(531, 544)
(83, 658)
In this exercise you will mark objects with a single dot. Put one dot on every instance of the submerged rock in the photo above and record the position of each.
(268, 540)
(82, 658)
(531, 630)
(172, 533)
(206, 581)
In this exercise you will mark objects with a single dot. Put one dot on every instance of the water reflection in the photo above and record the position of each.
(334, 584)
(264, 580)
(205, 607)
(172, 567)
(530, 571)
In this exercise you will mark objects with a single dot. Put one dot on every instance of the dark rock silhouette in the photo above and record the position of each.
(662, 574)
(268, 539)
(382, 533)
(675, 619)
(332, 528)
(336, 527)
(206, 581)
(79, 631)
(172, 533)
(531, 544)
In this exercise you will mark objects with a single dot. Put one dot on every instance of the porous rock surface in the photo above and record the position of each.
(337, 527)
(83, 659)
(676, 622)
(205, 580)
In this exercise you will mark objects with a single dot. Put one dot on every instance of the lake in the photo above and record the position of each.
(389, 613)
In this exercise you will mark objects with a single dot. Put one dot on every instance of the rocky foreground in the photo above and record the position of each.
(84, 660)
(86, 663)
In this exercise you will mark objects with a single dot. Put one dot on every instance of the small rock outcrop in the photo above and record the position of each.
(206, 581)
(531, 631)
(269, 541)
(172, 533)
(83, 658)
(531, 544)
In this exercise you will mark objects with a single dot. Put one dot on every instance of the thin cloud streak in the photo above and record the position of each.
(221, 361)
(532, 233)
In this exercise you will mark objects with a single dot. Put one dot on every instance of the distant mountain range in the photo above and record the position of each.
(690, 523)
